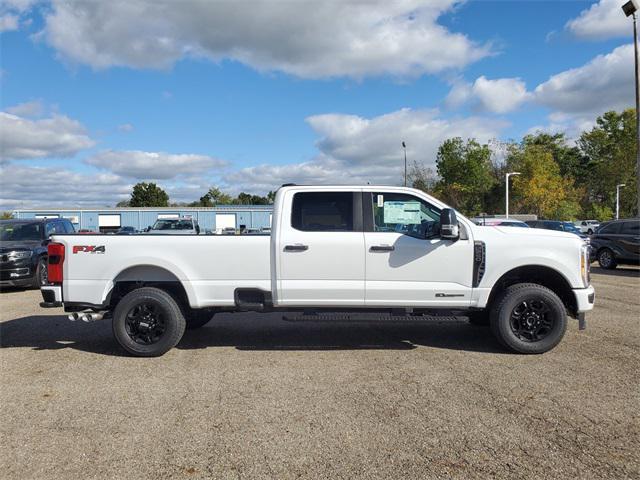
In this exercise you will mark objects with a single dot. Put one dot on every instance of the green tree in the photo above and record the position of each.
(148, 195)
(540, 188)
(214, 197)
(465, 172)
(610, 149)
(421, 177)
(6, 216)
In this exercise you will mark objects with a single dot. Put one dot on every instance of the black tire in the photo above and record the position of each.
(607, 259)
(40, 277)
(479, 318)
(148, 322)
(198, 318)
(589, 232)
(528, 318)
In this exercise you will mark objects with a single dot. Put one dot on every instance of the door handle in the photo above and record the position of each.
(382, 248)
(298, 247)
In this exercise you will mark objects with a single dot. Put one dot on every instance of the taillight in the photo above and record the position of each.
(56, 260)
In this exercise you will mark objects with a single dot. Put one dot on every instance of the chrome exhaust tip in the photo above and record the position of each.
(73, 316)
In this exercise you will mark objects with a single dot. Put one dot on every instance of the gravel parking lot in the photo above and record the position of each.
(252, 396)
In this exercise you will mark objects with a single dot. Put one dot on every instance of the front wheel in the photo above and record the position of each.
(41, 275)
(606, 259)
(528, 318)
(148, 322)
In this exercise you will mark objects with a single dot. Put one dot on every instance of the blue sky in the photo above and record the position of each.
(97, 96)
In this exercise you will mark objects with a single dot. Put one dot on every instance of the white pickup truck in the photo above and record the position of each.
(344, 253)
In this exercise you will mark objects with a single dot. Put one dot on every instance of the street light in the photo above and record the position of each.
(618, 187)
(630, 8)
(404, 147)
(506, 208)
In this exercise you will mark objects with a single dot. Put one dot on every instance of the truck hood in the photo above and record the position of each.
(534, 232)
(21, 245)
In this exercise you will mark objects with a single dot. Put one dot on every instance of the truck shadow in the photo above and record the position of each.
(254, 332)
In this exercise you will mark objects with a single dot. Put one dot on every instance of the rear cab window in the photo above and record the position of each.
(323, 211)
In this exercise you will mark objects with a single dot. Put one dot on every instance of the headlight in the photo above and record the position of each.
(585, 265)
(20, 254)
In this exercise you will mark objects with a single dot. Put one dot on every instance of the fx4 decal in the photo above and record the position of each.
(88, 249)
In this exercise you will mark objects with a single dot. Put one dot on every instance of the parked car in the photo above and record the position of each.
(23, 250)
(126, 231)
(228, 231)
(557, 225)
(587, 226)
(499, 222)
(617, 242)
(335, 254)
(175, 226)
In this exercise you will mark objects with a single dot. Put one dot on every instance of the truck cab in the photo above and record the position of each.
(335, 253)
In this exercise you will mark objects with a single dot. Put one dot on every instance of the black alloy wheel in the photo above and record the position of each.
(530, 320)
(145, 323)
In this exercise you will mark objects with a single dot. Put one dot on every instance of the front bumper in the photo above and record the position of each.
(16, 277)
(52, 296)
(585, 298)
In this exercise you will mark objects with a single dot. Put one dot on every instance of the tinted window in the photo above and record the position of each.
(402, 213)
(609, 228)
(553, 226)
(322, 212)
(631, 228)
(10, 232)
(68, 227)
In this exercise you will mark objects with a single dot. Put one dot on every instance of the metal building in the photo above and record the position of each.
(109, 219)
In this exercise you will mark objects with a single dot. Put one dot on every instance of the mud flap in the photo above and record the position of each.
(582, 321)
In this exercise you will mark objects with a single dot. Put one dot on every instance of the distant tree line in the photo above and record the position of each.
(557, 180)
(148, 194)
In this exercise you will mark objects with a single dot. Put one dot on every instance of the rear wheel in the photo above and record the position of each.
(606, 259)
(148, 322)
(528, 318)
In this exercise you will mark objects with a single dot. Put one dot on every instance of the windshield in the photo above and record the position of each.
(173, 225)
(570, 227)
(11, 232)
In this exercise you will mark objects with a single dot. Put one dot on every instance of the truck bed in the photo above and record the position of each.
(210, 267)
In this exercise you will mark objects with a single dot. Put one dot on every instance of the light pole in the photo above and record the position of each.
(630, 8)
(506, 201)
(618, 187)
(404, 147)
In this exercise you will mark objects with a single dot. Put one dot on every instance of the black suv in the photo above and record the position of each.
(556, 225)
(617, 242)
(23, 250)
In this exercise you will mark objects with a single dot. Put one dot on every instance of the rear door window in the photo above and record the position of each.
(610, 228)
(322, 212)
(631, 228)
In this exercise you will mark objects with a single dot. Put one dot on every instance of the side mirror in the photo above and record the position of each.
(449, 229)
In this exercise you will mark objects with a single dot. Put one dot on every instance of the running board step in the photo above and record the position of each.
(369, 317)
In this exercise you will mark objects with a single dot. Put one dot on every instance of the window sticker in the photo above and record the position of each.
(406, 213)
(380, 201)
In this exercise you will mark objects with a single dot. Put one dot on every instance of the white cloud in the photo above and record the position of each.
(34, 108)
(306, 39)
(601, 20)
(11, 11)
(57, 136)
(604, 83)
(502, 95)
(579, 95)
(358, 150)
(8, 22)
(153, 165)
(51, 187)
